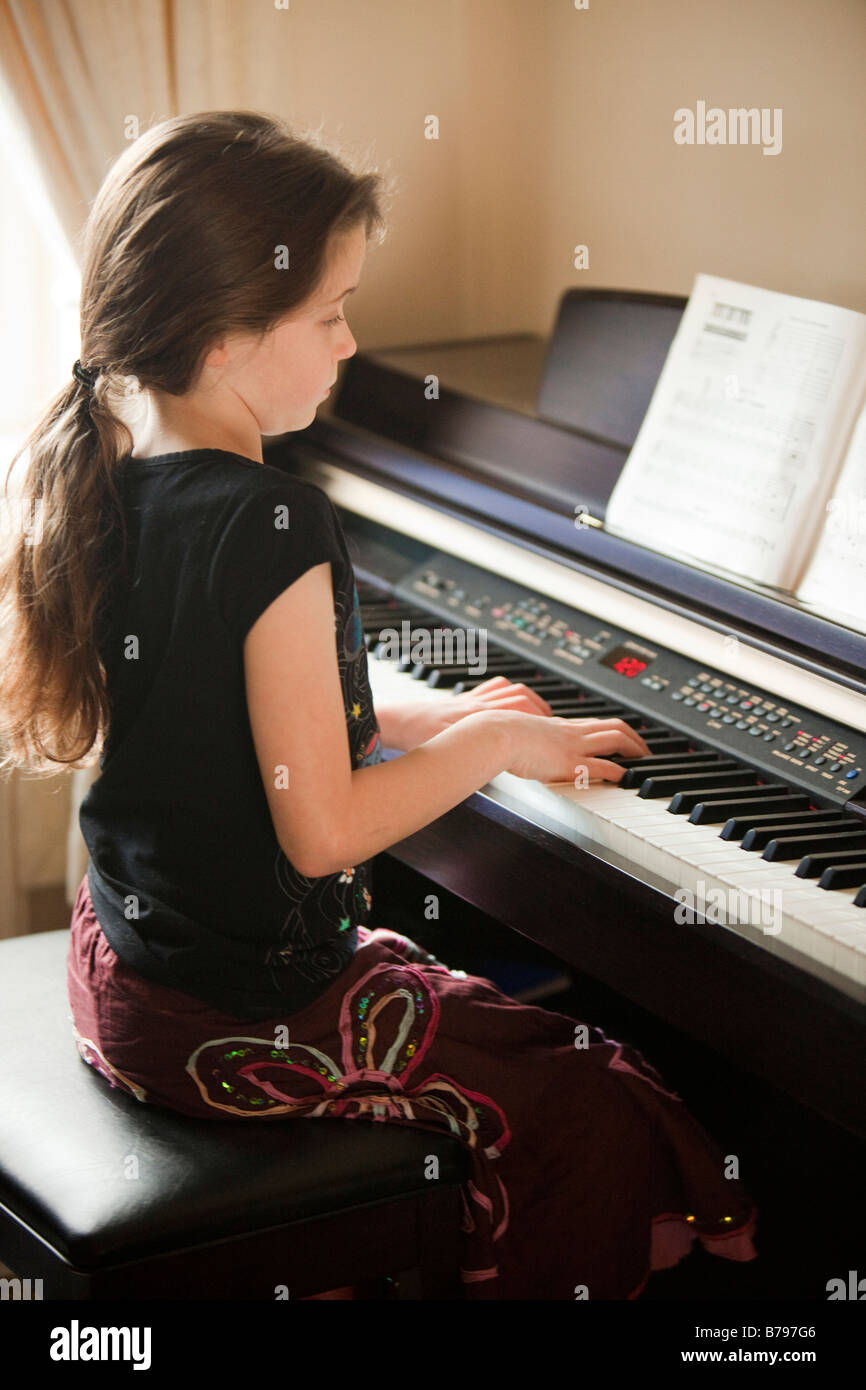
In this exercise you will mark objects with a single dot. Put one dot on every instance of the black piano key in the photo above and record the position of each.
(738, 826)
(759, 836)
(586, 711)
(685, 801)
(793, 846)
(677, 759)
(719, 763)
(669, 745)
(720, 812)
(552, 697)
(813, 865)
(419, 670)
(710, 780)
(860, 900)
(423, 670)
(849, 876)
(598, 709)
(439, 676)
(376, 622)
(549, 684)
(465, 686)
(658, 765)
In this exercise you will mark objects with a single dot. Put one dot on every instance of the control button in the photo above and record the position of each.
(727, 719)
(789, 746)
(742, 723)
(834, 767)
(733, 698)
(772, 718)
(693, 680)
(755, 730)
(804, 753)
(819, 762)
(851, 773)
(690, 701)
(677, 695)
(786, 723)
(770, 735)
(704, 706)
(646, 680)
(706, 686)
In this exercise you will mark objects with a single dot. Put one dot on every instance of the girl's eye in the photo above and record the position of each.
(329, 323)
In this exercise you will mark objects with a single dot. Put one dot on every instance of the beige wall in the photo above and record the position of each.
(654, 213)
(556, 128)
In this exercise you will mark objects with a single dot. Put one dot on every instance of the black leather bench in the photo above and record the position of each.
(102, 1197)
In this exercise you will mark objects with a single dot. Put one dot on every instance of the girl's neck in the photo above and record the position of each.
(153, 446)
(167, 427)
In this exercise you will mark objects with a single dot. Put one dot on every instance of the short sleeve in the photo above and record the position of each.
(265, 544)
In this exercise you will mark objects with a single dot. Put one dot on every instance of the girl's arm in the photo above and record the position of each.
(327, 816)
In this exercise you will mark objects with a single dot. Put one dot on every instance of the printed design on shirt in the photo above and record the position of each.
(361, 719)
(388, 1023)
(340, 901)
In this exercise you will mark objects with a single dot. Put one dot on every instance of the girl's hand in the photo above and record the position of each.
(408, 724)
(571, 750)
(550, 750)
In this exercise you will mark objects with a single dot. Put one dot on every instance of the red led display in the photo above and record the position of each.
(629, 666)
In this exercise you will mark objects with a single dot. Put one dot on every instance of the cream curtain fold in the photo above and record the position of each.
(78, 70)
(87, 76)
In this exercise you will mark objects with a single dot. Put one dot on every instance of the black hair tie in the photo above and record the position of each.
(86, 375)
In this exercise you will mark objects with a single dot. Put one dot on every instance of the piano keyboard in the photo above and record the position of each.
(751, 853)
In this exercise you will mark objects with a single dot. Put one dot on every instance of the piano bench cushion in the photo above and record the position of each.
(90, 1179)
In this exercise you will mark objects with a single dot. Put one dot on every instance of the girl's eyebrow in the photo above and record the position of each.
(350, 290)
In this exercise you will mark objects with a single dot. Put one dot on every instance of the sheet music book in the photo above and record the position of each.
(751, 457)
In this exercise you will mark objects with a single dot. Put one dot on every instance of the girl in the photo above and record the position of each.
(191, 613)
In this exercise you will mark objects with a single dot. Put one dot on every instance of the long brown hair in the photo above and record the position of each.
(179, 250)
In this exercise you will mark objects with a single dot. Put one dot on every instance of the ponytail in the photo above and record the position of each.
(54, 582)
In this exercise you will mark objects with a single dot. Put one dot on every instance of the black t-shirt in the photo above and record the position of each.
(186, 875)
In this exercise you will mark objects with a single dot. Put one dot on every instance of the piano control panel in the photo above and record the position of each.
(790, 743)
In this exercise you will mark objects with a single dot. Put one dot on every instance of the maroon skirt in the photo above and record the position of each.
(588, 1172)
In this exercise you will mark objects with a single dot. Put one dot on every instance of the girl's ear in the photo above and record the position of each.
(218, 355)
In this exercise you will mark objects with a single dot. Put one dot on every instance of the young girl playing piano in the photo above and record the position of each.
(190, 612)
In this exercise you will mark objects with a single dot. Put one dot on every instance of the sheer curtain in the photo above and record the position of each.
(78, 79)
(39, 291)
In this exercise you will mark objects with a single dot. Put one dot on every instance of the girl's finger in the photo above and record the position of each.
(597, 725)
(512, 698)
(602, 741)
